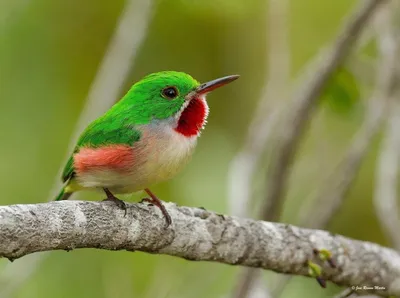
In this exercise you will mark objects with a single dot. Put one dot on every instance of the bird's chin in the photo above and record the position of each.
(190, 103)
(183, 108)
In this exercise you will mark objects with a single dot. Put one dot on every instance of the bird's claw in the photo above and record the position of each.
(147, 200)
(221, 216)
(119, 203)
(154, 202)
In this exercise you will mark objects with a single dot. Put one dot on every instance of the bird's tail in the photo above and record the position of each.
(63, 195)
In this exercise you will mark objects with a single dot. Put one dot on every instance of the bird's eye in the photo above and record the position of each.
(169, 92)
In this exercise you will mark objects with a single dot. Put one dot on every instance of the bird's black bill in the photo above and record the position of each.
(214, 84)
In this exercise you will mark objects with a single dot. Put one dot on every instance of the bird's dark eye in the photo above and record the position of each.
(169, 92)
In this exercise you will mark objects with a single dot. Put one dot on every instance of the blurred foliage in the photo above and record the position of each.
(341, 93)
(49, 54)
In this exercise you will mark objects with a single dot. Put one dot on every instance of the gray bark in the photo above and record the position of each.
(195, 234)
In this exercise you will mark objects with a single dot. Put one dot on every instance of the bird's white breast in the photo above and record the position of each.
(170, 152)
(159, 155)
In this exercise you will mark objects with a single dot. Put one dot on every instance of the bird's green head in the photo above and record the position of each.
(170, 97)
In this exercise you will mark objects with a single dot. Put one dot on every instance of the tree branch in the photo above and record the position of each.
(332, 194)
(195, 234)
(385, 197)
(305, 101)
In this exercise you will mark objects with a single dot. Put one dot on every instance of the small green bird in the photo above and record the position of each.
(145, 138)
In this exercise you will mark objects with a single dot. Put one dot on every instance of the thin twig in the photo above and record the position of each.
(196, 234)
(106, 86)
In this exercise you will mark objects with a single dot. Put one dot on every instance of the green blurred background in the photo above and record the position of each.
(49, 54)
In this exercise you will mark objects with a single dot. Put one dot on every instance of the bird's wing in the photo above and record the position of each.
(102, 132)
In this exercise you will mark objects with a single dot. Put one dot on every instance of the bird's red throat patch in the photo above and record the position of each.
(193, 117)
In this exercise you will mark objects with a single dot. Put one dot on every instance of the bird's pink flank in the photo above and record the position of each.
(112, 157)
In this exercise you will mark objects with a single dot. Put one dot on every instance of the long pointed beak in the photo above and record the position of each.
(214, 84)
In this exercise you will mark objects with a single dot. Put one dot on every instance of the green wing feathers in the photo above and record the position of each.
(68, 169)
(63, 195)
(103, 132)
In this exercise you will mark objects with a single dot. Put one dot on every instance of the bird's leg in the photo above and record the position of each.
(112, 198)
(155, 201)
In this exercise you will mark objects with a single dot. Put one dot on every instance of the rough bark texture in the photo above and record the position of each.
(195, 234)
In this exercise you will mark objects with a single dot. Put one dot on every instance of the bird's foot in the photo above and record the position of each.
(153, 200)
(110, 197)
(221, 216)
(121, 204)
(149, 201)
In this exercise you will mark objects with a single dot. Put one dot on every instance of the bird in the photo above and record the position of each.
(145, 138)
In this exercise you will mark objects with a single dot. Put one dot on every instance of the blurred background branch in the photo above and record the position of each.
(292, 130)
(304, 104)
(324, 207)
(273, 94)
(332, 194)
(385, 198)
